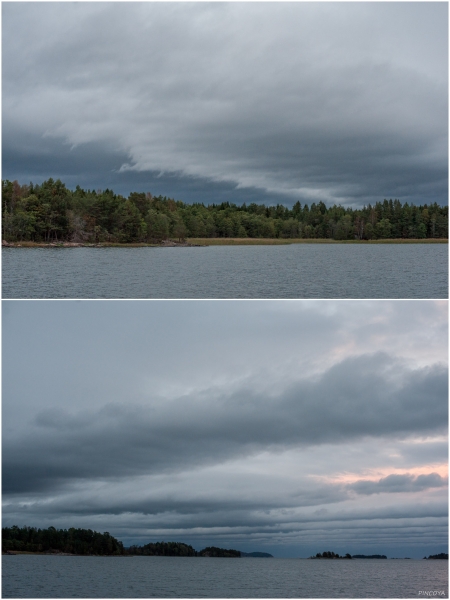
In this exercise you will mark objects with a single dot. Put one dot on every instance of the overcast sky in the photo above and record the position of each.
(278, 426)
(267, 102)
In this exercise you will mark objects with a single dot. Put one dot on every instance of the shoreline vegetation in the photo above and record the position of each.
(50, 213)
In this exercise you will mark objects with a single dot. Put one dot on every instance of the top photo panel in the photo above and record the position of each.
(225, 150)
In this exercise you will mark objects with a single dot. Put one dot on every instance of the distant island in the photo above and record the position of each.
(180, 549)
(441, 556)
(50, 213)
(334, 555)
(329, 555)
(30, 540)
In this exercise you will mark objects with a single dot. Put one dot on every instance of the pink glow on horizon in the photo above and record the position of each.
(380, 473)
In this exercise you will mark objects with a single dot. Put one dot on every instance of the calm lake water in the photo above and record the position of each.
(29, 576)
(291, 271)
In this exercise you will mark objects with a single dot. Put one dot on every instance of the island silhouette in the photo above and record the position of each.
(30, 540)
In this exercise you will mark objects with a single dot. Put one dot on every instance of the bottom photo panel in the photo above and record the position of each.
(225, 449)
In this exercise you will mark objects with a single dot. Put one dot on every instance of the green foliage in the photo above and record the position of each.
(130, 226)
(383, 229)
(158, 226)
(51, 212)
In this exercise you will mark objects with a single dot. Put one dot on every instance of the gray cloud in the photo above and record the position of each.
(335, 102)
(369, 395)
(431, 452)
(399, 483)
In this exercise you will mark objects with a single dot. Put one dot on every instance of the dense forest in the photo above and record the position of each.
(50, 212)
(72, 541)
(86, 541)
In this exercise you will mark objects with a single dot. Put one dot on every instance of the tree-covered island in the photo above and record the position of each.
(180, 549)
(333, 555)
(51, 213)
(330, 555)
(92, 543)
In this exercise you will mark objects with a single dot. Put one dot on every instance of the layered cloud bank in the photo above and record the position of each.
(339, 102)
(277, 425)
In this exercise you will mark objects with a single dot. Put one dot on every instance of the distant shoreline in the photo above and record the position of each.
(243, 555)
(58, 553)
(203, 242)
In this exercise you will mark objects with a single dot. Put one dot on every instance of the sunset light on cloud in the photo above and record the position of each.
(380, 473)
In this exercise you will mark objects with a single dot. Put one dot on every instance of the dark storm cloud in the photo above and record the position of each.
(340, 102)
(365, 396)
(259, 512)
(214, 511)
(93, 166)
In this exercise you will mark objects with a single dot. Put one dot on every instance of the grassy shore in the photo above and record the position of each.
(226, 242)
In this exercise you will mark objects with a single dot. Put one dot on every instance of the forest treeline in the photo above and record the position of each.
(88, 542)
(180, 549)
(72, 541)
(51, 212)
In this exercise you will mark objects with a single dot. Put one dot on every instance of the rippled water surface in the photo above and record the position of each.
(29, 576)
(291, 271)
